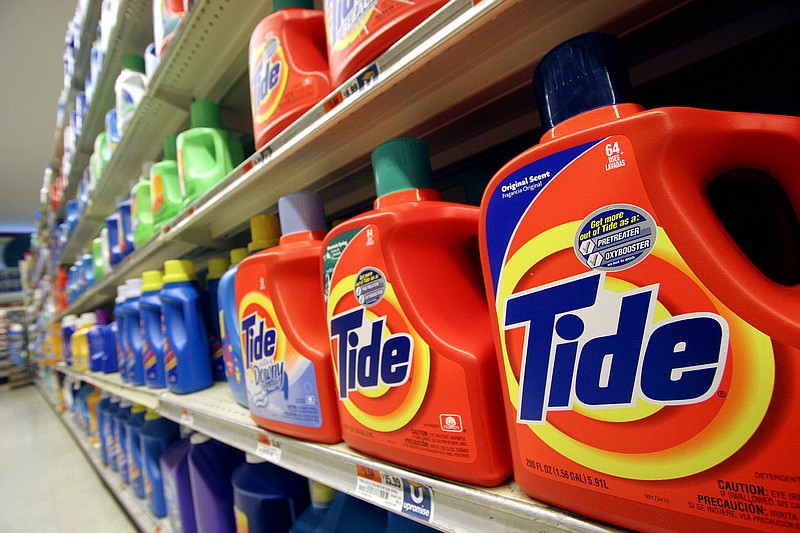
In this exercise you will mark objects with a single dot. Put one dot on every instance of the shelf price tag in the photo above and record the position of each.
(268, 448)
(186, 418)
(395, 493)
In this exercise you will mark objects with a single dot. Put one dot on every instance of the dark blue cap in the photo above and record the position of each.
(583, 73)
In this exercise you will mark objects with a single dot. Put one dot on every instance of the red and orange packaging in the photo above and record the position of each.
(650, 369)
(409, 328)
(285, 350)
(288, 67)
(358, 32)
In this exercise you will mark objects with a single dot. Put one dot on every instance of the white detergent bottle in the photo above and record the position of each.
(130, 88)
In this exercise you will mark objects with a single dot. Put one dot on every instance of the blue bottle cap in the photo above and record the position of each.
(301, 211)
(583, 73)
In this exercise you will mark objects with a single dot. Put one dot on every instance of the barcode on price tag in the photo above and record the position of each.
(269, 449)
(379, 488)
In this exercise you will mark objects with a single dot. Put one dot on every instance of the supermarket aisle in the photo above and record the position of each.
(46, 482)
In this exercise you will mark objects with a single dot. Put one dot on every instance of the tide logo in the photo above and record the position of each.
(566, 362)
(269, 79)
(260, 347)
(367, 359)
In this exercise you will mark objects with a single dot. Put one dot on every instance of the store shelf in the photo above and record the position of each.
(150, 257)
(457, 507)
(11, 298)
(214, 38)
(131, 34)
(425, 86)
(136, 508)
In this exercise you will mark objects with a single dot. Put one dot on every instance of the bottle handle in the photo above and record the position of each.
(717, 143)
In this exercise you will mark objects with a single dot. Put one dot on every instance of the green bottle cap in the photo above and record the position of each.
(237, 255)
(152, 281)
(217, 266)
(205, 114)
(401, 164)
(133, 62)
(170, 148)
(178, 270)
(283, 4)
(136, 409)
(151, 415)
(265, 231)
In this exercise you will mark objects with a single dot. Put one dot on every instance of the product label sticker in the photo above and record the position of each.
(369, 286)
(186, 418)
(269, 448)
(615, 237)
(395, 493)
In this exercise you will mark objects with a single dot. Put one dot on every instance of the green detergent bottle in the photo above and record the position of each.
(206, 152)
(141, 214)
(100, 158)
(99, 260)
(165, 185)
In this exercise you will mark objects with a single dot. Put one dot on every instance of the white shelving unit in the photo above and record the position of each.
(136, 508)
(457, 507)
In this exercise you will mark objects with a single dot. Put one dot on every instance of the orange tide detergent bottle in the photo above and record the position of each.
(650, 366)
(410, 330)
(285, 349)
(288, 67)
(360, 30)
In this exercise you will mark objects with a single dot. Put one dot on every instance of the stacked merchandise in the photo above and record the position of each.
(579, 310)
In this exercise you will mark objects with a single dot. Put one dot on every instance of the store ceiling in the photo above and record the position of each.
(31, 50)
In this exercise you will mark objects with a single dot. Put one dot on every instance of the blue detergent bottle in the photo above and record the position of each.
(177, 487)
(210, 466)
(216, 268)
(135, 466)
(109, 363)
(124, 209)
(265, 233)
(120, 435)
(321, 499)
(156, 435)
(132, 427)
(153, 338)
(267, 497)
(186, 356)
(102, 414)
(113, 226)
(102, 348)
(68, 327)
(133, 330)
(108, 431)
(348, 513)
(229, 329)
(122, 346)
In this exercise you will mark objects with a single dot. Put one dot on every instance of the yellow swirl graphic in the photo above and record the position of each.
(747, 401)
